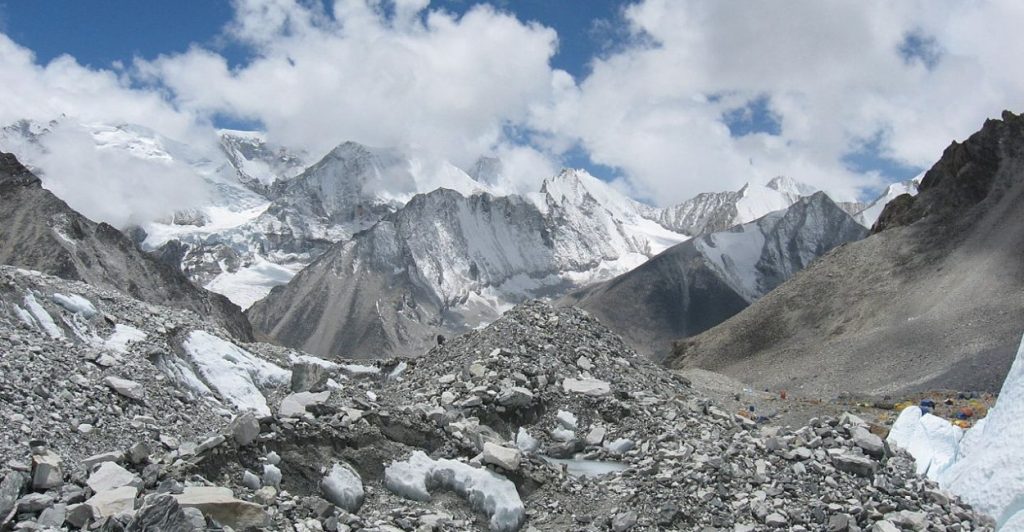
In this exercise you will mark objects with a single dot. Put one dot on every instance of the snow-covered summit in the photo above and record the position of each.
(709, 212)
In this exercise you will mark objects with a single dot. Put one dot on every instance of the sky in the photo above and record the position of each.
(663, 98)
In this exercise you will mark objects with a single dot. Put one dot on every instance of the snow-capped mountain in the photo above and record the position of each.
(715, 211)
(937, 289)
(446, 261)
(869, 215)
(701, 282)
(258, 162)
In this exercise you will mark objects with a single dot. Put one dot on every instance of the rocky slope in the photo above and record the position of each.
(39, 231)
(445, 262)
(542, 421)
(700, 283)
(933, 299)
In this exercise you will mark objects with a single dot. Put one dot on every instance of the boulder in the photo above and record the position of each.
(10, 488)
(867, 441)
(591, 387)
(109, 476)
(125, 387)
(309, 377)
(160, 512)
(46, 471)
(503, 457)
(33, 503)
(515, 397)
(221, 504)
(856, 464)
(112, 502)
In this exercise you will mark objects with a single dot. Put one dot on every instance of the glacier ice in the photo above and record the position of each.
(985, 468)
(485, 491)
(75, 303)
(234, 372)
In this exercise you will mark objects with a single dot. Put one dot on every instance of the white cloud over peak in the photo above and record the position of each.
(828, 78)
(423, 80)
(837, 75)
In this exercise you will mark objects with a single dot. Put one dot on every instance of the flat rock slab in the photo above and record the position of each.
(221, 504)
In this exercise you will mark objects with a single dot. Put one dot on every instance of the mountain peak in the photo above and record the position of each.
(13, 173)
(789, 185)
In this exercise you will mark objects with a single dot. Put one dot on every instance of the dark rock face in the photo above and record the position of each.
(934, 298)
(685, 290)
(38, 231)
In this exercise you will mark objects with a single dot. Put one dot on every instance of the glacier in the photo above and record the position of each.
(983, 464)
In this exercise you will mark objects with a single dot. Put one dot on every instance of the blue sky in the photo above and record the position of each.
(665, 98)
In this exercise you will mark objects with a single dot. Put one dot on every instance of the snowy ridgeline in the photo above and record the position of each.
(984, 464)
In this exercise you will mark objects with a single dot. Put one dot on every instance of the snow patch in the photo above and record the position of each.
(249, 284)
(75, 303)
(122, 336)
(235, 373)
(486, 491)
(42, 317)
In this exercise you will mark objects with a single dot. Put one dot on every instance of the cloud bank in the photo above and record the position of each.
(700, 95)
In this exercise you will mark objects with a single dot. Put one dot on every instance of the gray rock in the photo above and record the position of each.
(35, 502)
(109, 476)
(591, 387)
(221, 504)
(125, 387)
(515, 397)
(10, 488)
(308, 377)
(867, 441)
(112, 456)
(46, 471)
(343, 487)
(595, 436)
(113, 502)
(210, 443)
(139, 453)
(53, 517)
(501, 456)
(838, 523)
(856, 464)
(620, 446)
(624, 521)
(884, 526)
(776, 520)
(79, 515)
(160, 512)
(244, 429)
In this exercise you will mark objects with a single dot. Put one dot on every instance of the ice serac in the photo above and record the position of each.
(445, 262)
(716, 211)
(982, 465)
(38, 231)
(932, 299)
(700, 283)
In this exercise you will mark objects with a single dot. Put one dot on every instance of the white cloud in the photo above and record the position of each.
(402, 73)
(424, 80)
(833, 74)
(113, 185)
